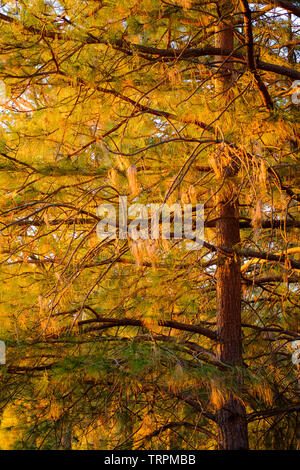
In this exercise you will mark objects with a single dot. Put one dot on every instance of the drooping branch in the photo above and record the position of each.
(111, 322)
(246, 253)
(250, 56)
(148, 52)
(286, 5)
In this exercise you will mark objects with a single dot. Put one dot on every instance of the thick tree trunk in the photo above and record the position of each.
(224, 40)
(228, 280)
(230, 413)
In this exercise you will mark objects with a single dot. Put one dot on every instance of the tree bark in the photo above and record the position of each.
(230, 412)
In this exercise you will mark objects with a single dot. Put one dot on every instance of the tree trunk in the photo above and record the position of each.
(230, 413)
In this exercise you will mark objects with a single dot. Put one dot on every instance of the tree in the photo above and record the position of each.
(121, 344)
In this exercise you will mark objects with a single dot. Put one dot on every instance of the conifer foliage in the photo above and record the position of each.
(144, 344)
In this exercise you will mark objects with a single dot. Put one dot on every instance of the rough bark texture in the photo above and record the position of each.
(229, 282)
(230, 413)
(224, 40)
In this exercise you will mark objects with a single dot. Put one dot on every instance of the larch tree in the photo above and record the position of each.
(146, 344)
